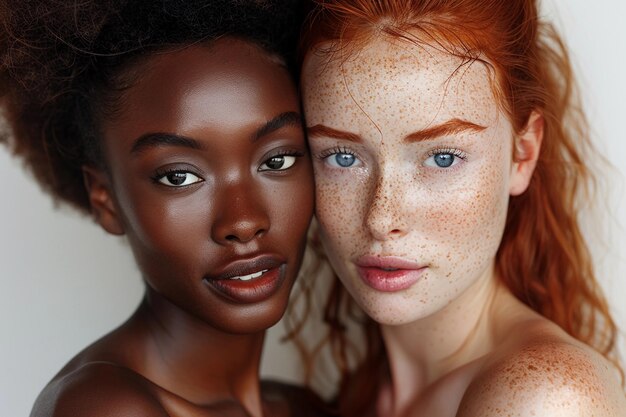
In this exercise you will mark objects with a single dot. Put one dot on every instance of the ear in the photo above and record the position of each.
(103, 207)
(527, 147)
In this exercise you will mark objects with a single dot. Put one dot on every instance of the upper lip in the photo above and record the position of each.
(246, 266)
(386, 262)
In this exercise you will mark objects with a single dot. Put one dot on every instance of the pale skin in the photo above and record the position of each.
(458, 342)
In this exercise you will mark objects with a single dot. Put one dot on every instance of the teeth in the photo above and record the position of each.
(250, 276)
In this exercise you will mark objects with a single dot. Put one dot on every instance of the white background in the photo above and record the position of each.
(65, 282)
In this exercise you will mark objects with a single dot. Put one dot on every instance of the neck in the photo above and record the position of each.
(196, 361)
(423, 352)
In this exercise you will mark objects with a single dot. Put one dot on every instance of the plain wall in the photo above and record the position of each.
(65, 282)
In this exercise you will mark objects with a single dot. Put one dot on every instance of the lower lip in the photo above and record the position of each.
(251, 291)
(390, 281)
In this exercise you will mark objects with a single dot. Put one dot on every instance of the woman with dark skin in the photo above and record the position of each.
(178, 126)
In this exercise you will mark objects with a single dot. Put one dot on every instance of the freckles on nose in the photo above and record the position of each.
(387, 208)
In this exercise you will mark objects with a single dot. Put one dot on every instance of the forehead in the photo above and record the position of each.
(229, 83)
(397, 80)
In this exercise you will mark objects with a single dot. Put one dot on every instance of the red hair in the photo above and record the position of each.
(543, 258)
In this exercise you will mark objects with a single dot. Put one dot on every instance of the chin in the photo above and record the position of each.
(257, 317)
(395, 309)
(392, 314)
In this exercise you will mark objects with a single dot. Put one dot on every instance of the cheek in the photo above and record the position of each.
(290, 207)
(157, 225)
(340, 204)
(465, 222)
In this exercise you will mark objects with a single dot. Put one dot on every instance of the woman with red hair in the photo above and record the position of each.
(450, 155)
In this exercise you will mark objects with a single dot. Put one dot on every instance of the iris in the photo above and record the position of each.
(276, 162)
(177, 178)
(443, 160)
(344, 159)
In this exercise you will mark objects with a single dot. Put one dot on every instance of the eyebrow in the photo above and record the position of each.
(325, 131)
(290, 118)
(447, 128)
(450, 127)
(159, 139)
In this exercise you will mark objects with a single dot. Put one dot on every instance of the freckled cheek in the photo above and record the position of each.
(340, 205)
(469, 216)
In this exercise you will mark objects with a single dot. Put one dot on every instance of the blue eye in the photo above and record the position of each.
(340, 158)
(445, 158)
(344, 160)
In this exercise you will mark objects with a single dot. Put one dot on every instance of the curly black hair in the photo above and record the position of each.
(62, 66)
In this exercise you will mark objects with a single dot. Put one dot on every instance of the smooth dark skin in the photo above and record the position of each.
(188, 350)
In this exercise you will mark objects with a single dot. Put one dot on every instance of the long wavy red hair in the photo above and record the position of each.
(543, 258)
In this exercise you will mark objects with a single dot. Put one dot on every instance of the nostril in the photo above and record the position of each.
(244, 237)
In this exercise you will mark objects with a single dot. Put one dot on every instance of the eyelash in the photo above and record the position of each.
(333, 151)
(340, 149)
(452, 151)
(285, 152)
(162, 172)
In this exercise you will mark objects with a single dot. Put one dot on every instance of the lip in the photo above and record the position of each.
(253, 290)
(388, 273)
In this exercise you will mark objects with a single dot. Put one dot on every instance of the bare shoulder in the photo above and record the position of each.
(550, 375)
(98, 389)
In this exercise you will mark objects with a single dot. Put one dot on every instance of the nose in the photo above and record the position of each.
(386, 213)
(240, 216)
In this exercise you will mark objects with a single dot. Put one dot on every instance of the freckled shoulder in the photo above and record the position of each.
(550, 377)
(98, 389)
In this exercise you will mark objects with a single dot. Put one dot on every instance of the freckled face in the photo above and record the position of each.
(212, 181)
(412, 161)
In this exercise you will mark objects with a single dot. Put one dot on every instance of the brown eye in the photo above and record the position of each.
(179, 179)
(278, 163)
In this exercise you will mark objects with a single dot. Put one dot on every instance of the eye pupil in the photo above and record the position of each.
(344, 159)
(177, 178)
(444, 160)
(276, 162)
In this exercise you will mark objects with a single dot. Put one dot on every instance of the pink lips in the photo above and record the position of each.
(388, 273)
